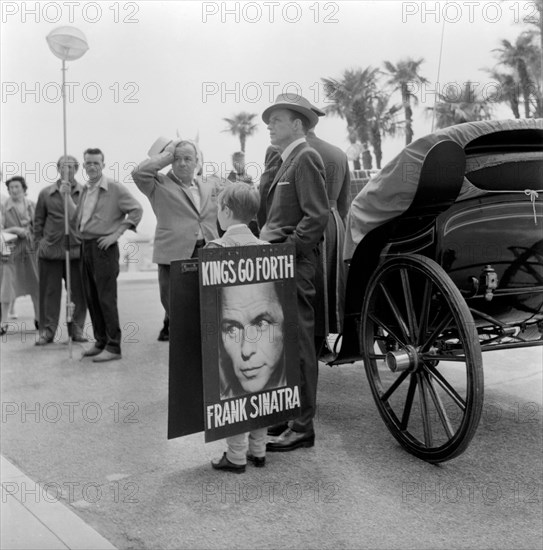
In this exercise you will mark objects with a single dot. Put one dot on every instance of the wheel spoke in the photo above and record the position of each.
(395, 385)
(396, 313)
(413, 315)
(437, 357)
(384, 326)
(425, 310)
(449, 390)
(438, 404)
(428, 439)
(413, 328)
(442, 325)
(408, 401)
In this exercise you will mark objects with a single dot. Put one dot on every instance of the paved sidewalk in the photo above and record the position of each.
(33, 518)
(138, 276)
(102, 430)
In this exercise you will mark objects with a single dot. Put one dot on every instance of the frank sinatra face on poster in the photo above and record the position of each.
(250, 337)
(252, 326)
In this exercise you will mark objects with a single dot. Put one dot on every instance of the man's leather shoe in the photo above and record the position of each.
(106, 356)
(79, 338)
(290, 440)
(92, 352)
(258, 461)
(44, 340)
(164, 334)
(226, 466)
(277, 429)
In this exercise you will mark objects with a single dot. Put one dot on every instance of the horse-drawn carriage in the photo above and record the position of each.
(446, 261)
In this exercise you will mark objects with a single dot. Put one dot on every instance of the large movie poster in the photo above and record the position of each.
(249, 337)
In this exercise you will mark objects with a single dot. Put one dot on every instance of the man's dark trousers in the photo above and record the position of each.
(164, 282)
(309, 367)
(51, 274)
(100, 269)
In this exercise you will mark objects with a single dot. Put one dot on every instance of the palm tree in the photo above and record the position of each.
(507, 91)
(350, 97)
(537, 22)
(358, 99)
(402, 76)
(535, 61)
(241, 124)
(383, 122)
(468, 107)
(522, 57)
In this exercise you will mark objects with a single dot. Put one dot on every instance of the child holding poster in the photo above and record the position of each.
(238, 205)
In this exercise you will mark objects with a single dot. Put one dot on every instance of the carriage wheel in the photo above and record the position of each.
(427, 380)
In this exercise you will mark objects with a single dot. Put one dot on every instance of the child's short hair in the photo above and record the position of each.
(242, 199)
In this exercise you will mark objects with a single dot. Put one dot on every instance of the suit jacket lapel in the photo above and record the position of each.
(183, 188)
(285, 165)
(204, 192)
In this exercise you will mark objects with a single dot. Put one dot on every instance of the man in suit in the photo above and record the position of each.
(272, 161)
(184, 204)
(297, 212)
(331, 272)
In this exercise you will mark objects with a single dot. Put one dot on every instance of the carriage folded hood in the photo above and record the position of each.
(391, 192)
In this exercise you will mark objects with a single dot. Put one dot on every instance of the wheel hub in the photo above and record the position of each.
(404, 359)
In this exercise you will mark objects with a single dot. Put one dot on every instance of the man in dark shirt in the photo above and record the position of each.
(49, 236)
(238, 173)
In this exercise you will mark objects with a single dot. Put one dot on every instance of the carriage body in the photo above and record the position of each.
(497, 237)
(450, 265)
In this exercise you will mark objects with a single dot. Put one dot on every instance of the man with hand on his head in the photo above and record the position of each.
(184, 204)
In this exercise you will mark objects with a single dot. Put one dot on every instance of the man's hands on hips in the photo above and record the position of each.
(107, 241)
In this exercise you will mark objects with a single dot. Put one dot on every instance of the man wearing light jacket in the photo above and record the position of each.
(184, 204)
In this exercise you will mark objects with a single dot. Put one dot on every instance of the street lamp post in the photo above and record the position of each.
(68, 44)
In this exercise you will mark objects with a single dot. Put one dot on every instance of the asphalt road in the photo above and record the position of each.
(95, 436)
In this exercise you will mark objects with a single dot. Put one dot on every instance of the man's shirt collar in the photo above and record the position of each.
(102, 182)
(193, 183)
(289, 148)
(74, 187)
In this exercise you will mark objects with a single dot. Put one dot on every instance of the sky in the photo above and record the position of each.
(178, 67)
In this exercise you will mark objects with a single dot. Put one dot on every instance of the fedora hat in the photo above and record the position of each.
(158, 146)
(294, 102)
(317, 111)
